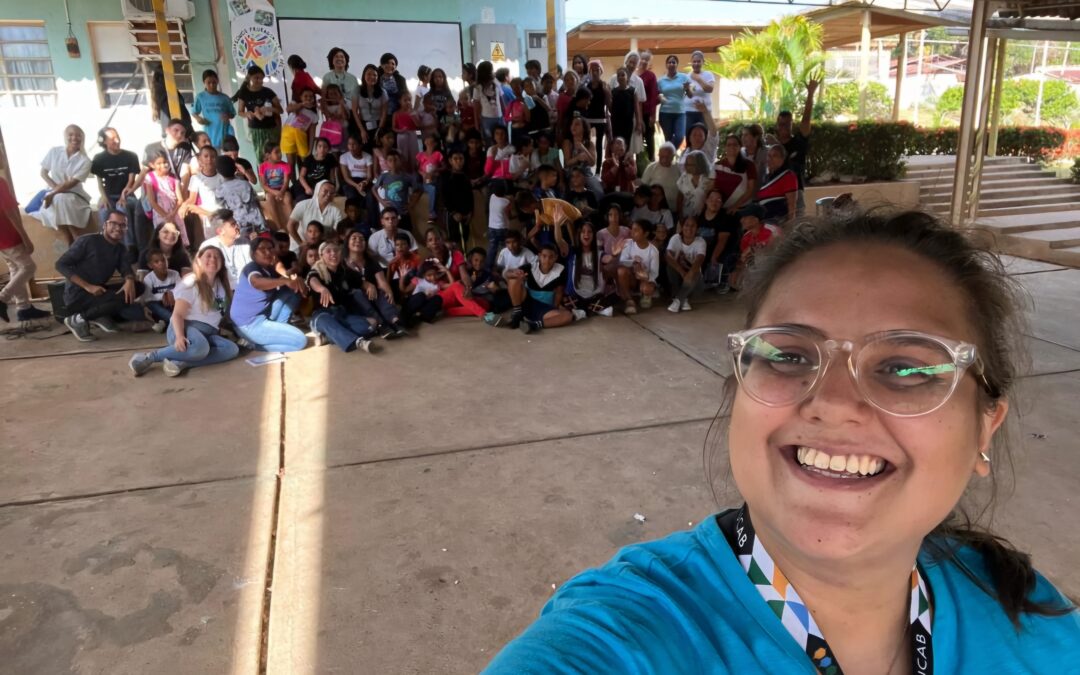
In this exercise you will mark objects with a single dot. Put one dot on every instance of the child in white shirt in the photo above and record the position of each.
(498, 220)
(639, 266)
(157, 297)
(356, 168)
(513, 257)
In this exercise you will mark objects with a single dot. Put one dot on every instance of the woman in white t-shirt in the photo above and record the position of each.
(702, 83)
(200, 301)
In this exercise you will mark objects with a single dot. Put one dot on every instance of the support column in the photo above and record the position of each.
(901, 71)
(982, 116)
(995, 104)
(560, 34)
(864, 62)
(551, 58)
(976, 51)
(918, 75)
(633, 44)
(165, 47)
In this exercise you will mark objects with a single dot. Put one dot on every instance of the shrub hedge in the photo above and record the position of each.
(875, 151)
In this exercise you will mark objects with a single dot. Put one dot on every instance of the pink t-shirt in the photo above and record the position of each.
(426, 161)
(276, 174)
(608, 241)
(405, 121)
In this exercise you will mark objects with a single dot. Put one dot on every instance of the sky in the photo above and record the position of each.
(713, 11)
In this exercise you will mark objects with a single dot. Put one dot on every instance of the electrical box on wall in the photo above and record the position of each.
(498, 43)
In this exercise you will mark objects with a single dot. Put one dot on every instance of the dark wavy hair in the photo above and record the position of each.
(996, 313)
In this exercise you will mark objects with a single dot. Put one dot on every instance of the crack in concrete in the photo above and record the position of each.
(677, 348)
(125, 491)
(271, 556)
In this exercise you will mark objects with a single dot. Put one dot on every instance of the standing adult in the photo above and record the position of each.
(702, 83)
(160, 111)
(193, 335)
(371, 106)
(261, 108)
(392, 81)
(674, 90)
(598, 112)
(797, 144)
(117, 171)
(320, 208)
(652, 100)
(338, 75)
(631, 62)
(66, 206)
(16, 250)
(265, 300)
(87, 266)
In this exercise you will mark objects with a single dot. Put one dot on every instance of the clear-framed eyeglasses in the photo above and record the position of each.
(904, 373)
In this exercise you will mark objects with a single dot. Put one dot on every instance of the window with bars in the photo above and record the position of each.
(26, 69)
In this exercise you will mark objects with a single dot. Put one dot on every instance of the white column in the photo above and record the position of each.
(560, 34)
(633, 44)
(1042, 83)
(864, 62)
(976, 49)
(901, 70)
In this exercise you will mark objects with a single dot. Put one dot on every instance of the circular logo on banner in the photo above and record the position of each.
(257, 46)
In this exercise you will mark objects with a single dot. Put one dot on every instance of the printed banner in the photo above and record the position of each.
(254, 36)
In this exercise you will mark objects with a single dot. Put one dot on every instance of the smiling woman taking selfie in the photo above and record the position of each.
(872, 380)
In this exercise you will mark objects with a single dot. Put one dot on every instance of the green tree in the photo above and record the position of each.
(841, 99)
(783, 56)
(1060, 106)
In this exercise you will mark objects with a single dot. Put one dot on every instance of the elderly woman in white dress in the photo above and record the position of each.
(66, 207)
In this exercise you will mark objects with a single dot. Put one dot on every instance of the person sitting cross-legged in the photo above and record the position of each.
(88, 296)
(265, 300)
(537, 296)
(336, 315)
(193, 331)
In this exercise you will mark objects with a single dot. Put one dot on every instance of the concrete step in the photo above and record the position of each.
(1035, 249)
(943, 207)
(991, 170)
(936, 161)
(1058, 238)
(993, 183)
(1031, 222)
(990, 201)
(1053, 188)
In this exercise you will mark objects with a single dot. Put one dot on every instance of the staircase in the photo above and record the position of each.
(1029, 212)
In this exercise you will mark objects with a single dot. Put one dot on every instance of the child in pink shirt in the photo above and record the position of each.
(429, 164)
(274, 177)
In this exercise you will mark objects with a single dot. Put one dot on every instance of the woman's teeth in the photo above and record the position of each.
(858, 465)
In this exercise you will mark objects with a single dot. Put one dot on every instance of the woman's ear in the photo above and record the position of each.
(989, 423)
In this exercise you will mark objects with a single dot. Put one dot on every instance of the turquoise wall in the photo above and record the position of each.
(199, 31)
(525, 14)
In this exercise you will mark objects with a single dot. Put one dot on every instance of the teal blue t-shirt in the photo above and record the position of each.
(212, 106)
(684, 604)
(673, 91)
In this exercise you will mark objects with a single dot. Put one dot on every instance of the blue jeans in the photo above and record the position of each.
(340, 326)
(487, 125)
(496, 242)
(159, 311)
(431, 191)
(674, 127)
(272, 333)
(205, 346)
(382, 309)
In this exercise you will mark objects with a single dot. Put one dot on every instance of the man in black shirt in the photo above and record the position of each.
(89, 297)
(117, 171)
(797, 144)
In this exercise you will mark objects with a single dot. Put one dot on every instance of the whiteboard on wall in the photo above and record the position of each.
(414, 43)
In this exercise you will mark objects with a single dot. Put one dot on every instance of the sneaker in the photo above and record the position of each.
(630, 308)
(172, 368)
(159, 327)
(579, 314)
(140, 326)
(646, 301)
(31, 313)
(492, 319)
(140, 363)
(386, 332)
(366, 345)
(528, 327)
(79, 328)
(244, 343)
(723, 289)
(674, 306)
(317, 339)
(399, 330)
(516, 319)
(105, 324)
(4, 312)
(607, 311)
(685, 306)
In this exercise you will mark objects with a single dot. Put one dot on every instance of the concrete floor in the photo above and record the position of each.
(430, 497)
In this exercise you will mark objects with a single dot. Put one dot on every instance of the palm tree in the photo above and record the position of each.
(782, 56)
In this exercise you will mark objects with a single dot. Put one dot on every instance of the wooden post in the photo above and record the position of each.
(551, 39)
(901, 71)
(165, 47)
